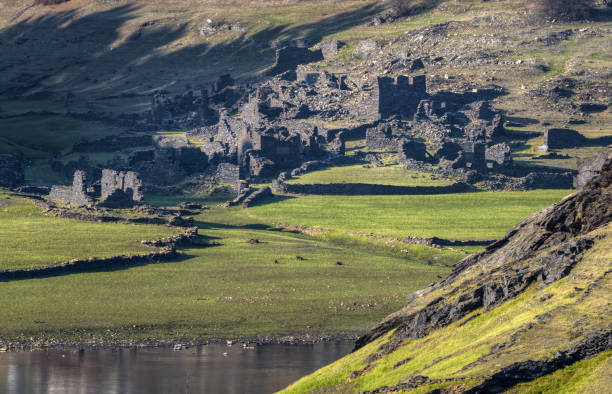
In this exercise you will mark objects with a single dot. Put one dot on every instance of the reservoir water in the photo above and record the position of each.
(217, 369)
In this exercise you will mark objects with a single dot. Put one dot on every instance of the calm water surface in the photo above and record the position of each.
(205, 369)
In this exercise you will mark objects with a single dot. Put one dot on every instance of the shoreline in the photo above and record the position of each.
(291, 340)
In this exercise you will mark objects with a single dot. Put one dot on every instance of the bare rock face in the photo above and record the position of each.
(591, 167)
(544, 248)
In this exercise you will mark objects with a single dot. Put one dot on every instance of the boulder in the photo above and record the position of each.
(366, 49)
(330, 49)
(498, 155)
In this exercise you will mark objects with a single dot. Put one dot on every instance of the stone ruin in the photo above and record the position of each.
(77, 195)
(289, 57)
(115, 190)
(11, 170)
(563, 138)
(395, 97)
(120, 185)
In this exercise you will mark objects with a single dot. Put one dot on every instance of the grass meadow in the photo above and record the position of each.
(237, 289)
(389, 175)
(29, 239)
(465, 216)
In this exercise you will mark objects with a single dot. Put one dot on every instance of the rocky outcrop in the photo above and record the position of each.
(591, 167)
(542, 248)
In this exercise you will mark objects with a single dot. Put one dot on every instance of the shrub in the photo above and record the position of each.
(565, 9)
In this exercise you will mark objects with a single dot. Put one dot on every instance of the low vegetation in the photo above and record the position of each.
(258, 282)
(465, 216)
(29, 239)
(394, 175)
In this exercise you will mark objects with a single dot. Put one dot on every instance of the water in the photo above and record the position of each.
(204, 369)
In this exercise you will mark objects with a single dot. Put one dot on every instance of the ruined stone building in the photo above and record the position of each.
(77, 194)
(395, 97)
(116, 189)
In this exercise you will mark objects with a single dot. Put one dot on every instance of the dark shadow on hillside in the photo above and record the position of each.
(66, 52)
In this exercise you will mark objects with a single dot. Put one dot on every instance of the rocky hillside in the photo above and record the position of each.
(532, 311)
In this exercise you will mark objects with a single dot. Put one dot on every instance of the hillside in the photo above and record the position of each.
(334, 157)
(529, 313)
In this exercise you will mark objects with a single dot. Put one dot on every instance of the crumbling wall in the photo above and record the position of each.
(75, 195)
(380, 137)
(498, 155)
(399, 96)
(288, 58)
(127, 182)
(408, 149)
(228, 173)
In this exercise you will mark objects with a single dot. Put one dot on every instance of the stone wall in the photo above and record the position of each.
(380, 137)
(75, 195)
(11, 170)
(288, 58)
(399, 96)
(127, 182)
(364, 189)
(547, 180)
(411, 150)
(498, 155)
(227, 173)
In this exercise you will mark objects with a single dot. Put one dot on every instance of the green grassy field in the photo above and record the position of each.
(232, 290)
(396, 176)
(30, 239)
(466, 216)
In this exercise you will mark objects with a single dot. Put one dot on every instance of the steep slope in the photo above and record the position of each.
(535, 303)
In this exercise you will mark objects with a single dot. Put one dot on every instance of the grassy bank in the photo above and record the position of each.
(393, 175)
(29, 239)
(465, 216)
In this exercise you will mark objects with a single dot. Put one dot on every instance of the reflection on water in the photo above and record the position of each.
(204, 369)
